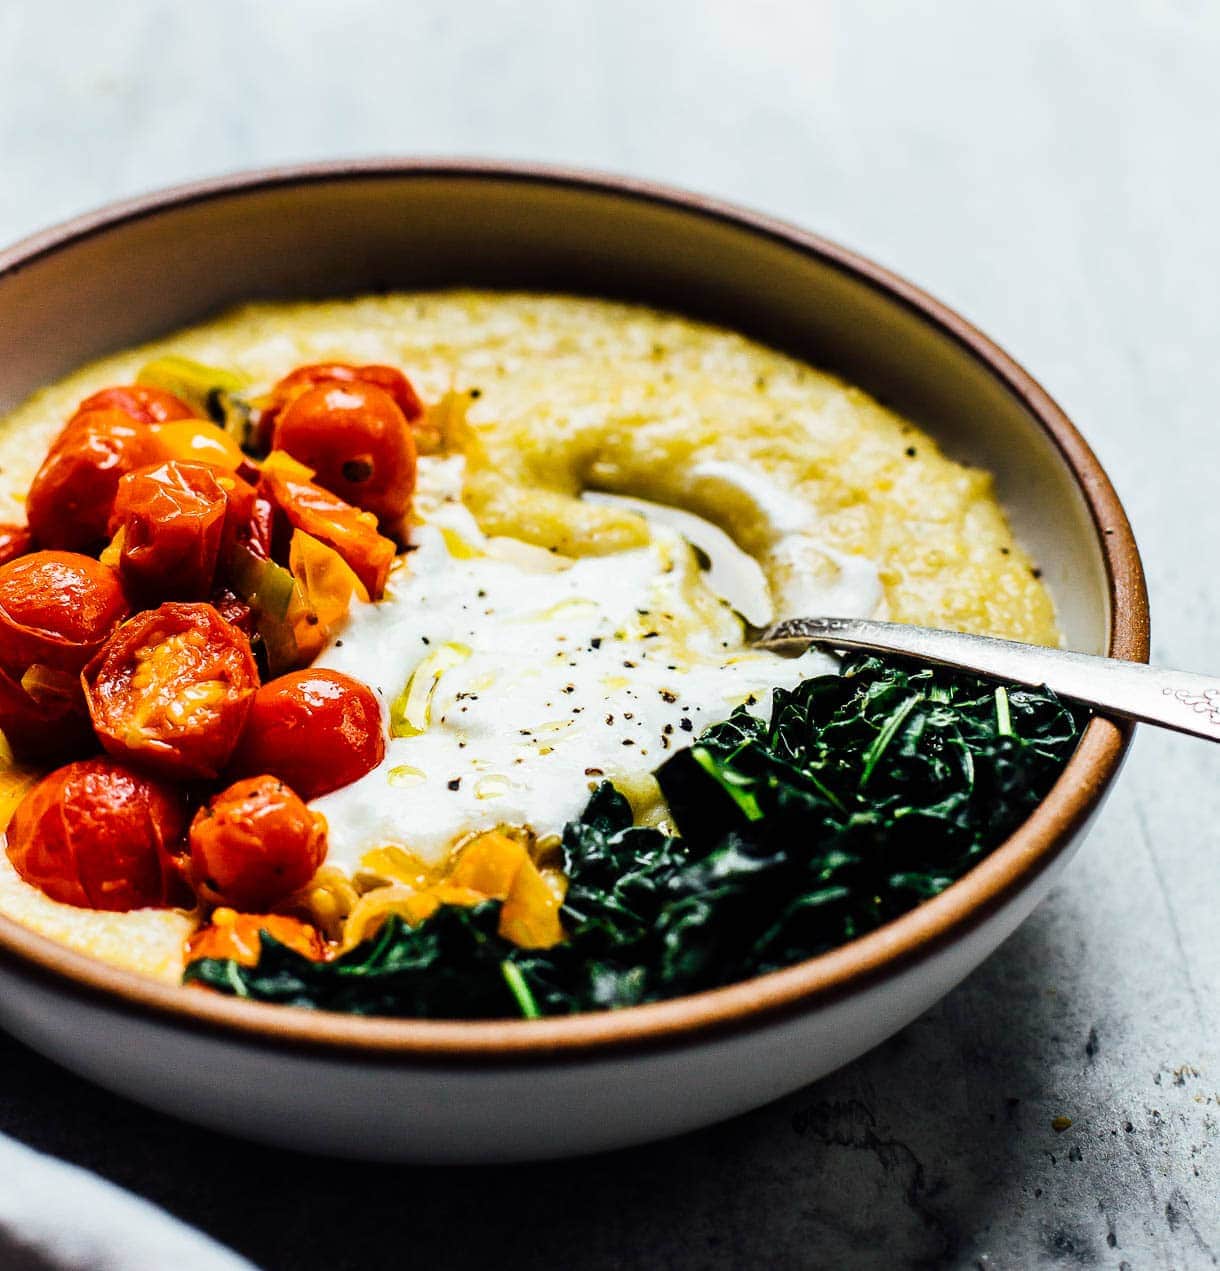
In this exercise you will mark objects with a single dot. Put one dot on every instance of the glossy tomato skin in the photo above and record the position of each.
(72, 496)
(99, 835)
(15, 540)
(237, 936)
(255, 844)
(350, 531)
(316, 730)
(358, 443)
(172, 519)
(170, 690)
(140, 402)
(56, 608)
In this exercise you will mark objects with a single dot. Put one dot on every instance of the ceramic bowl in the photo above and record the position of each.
(495, 1091)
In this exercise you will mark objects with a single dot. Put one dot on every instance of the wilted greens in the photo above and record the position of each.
(862, 795)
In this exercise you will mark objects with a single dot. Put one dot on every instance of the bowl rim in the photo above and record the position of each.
(676, 1022)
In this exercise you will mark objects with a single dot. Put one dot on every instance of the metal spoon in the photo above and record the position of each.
(1180, 700)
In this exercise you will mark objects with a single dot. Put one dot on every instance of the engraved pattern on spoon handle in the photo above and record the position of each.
(1181, 700)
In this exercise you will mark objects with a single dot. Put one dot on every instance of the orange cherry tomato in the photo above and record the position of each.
(15, 540)
(359, 444)
(72, 496)
(56, 608)
(315, 729)
(387, 378)
(144, 404)
(172, 520)
(198, 441)
(97, 835)
(254, 844)
(350, 531)
(236, 936)
(171, 689)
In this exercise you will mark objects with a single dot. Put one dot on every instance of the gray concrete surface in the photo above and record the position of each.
(1051, 169)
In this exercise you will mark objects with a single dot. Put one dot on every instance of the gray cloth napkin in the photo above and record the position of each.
(58, 1217)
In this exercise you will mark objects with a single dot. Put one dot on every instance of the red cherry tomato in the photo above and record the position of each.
(236, 936)
(315, 729)
(351, 532)
(44, 717)
(15, 540)
(98, 835)
(387, 378)
(234, 610)
(358, 443)
(140, 402)
(172, 518)
(254, 844)
(72, 496)
(249, 519)
(171, 689)
(56, 608)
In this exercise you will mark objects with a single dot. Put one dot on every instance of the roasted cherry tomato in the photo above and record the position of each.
(15, 540)
(56, 608)
(249, 520)
(317, 730)
(358, 443)
(140, 402)
(254, 844)
(387, 378)
(43, 717)
(236, 936)
(198, 441)
(97, 835)
(72, 496)
(171, 689)
(234, 610)
(351, 532)
(172, 519)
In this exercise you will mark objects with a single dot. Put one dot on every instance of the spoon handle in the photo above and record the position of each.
(1180, 700)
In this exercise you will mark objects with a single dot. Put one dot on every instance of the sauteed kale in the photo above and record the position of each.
(862, 795)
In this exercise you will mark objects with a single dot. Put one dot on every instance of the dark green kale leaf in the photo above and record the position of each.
(863, 794)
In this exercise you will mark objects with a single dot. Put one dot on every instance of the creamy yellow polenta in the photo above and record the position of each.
(550, 395)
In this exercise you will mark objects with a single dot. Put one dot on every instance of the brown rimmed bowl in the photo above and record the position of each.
(511, 1090)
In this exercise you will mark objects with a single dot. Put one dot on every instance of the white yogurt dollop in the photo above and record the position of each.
(534, 678)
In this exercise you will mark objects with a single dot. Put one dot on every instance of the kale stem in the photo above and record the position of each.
(1003, 716)
(519, 989)
(886, 735)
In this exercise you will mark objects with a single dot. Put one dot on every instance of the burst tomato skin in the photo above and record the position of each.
(172, 518)
(236, 936)
(170, 690)
(72, 496)
(15, 540)
(350, 531)
(359, 444)
(56, 608)
(387, 378)
(99, 835)
(140, 402)
(254, 844)
(316, 730)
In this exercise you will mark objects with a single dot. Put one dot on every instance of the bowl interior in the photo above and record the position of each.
(342, 233)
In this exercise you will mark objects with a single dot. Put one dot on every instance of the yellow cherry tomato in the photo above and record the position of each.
(198, 441)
